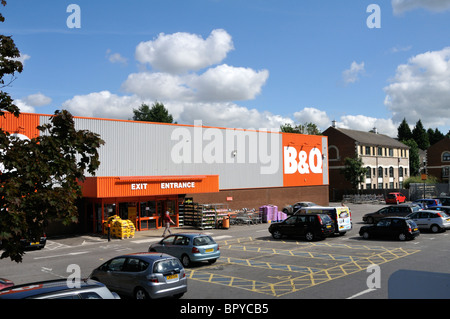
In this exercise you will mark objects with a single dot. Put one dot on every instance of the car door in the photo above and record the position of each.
(111, 273)
(166, 244)
(416, 217)
(178, 247)
(383, 228)
(128, 278)
(288, 227)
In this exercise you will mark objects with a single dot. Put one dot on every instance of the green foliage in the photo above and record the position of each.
(418, 179)
(307, 128)
(420, 136)
(414, 159)
(157, 113)
(354, 171)
(40, 180)
(404, 131)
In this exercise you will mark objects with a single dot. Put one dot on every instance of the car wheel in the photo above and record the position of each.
(277, 234)
(402, 237)
(366, 235)
(185, 260)
(435, 228)
(309, 236)
(212, 261)
(140, 293)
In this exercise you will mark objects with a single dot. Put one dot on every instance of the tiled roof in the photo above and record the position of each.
(374, 139)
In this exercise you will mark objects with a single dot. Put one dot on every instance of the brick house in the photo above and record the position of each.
(438, 160)
(386, 158)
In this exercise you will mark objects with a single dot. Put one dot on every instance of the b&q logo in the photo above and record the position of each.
(303, 161)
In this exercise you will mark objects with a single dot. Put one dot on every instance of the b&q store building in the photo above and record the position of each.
(148, 168)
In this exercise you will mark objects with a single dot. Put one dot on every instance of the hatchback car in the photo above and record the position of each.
(445, 209)
(188, 248)
(401, 210)
(59, 289)
(310, 226)
(143, 275)
(395, 198)
(391, 227)
(434, 221)
(427, 202)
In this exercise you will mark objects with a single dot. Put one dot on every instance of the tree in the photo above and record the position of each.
(306, 128)
(434, 136)
(40, 180)
(158, 113)
(39, 177)
(414, 158)
(354, 171)
(404, 131)
(420, 136)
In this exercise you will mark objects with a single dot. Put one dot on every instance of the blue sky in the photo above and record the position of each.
(231, 63)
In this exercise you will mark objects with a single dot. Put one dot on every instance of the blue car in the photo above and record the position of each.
(188, 248)
(427, 202)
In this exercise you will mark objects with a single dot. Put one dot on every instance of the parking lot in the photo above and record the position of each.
(253, 265)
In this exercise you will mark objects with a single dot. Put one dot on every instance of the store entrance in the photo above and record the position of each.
(145, 213)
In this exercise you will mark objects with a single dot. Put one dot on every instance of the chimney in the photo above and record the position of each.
(333, 123)
(375, 130)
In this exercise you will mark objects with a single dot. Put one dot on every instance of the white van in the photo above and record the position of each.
(341, 216)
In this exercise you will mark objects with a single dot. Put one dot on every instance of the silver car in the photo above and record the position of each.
(189, 247)
(59, 289)
(435, 221)
(143, 275)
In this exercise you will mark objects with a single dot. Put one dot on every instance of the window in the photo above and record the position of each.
(446, 157)
(368, 172)
(445, 171)
(380, 171)
(367, 150)
(116, 264)
(391, 152)
(400, 172)
(391, 171)
(380, 151)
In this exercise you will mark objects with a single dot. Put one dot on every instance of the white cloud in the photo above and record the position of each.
(182, 52)
(37, 99)
(400, 6)
(367, 123)
(103, 104)
(22, 58)
(116, 58)
(227, 83)
(352, 75)
(313, 115)
(421, 89)
(24, 107)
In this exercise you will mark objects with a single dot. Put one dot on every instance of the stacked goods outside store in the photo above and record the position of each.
(119, 228)
(270, 214)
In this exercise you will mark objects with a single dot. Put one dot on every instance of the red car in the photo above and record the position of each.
(395, 198)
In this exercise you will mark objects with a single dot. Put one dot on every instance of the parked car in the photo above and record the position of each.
(401, 210)
(5, 283)
(188, 248)
(143, 275)
(310, 226)
(445, 200)
(431, 220)
(34, 242)
(58, 289)
(391, 227)
(341, 216)
(395, 198)
(445, 209)
(427, 202)
(290, 209)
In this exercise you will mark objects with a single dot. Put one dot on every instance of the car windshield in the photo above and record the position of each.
(203, 240)
(167, 265)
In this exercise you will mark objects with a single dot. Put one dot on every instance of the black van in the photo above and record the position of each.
(310, 226)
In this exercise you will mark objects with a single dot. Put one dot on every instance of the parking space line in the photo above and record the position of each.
(308, 276)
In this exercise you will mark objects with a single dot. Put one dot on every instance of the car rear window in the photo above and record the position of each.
(167, 265)
(203, 240)
(325, 218)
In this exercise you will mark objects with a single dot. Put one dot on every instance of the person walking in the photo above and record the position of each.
(167, 221)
